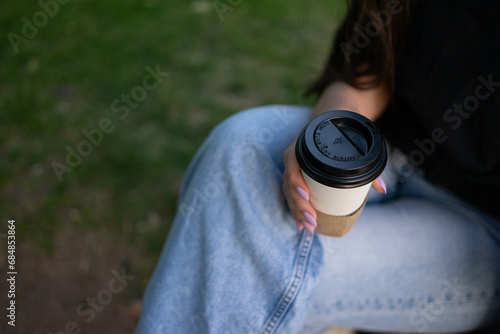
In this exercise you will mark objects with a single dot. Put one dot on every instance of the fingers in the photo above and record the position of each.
(300, 227)
(379, 185)
(297, 192)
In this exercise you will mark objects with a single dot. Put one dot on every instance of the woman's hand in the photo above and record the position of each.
(297, 192)
(339, 95)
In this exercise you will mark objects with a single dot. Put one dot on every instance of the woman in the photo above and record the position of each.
(423, 257)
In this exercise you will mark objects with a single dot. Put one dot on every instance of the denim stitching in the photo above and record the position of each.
(291, 291)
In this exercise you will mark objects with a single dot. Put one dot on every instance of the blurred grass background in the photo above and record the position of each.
(65, 78)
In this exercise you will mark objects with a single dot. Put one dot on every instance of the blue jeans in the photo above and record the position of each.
(418, 259)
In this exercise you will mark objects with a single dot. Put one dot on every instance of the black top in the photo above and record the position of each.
(447, 105)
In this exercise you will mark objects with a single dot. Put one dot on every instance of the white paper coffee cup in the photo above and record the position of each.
(336, 201)
(340, 153)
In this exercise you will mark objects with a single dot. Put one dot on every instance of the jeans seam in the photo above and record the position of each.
(293, 287)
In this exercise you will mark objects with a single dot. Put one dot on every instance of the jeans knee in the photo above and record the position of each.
(260, 128)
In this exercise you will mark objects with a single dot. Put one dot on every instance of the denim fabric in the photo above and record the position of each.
(417, 260)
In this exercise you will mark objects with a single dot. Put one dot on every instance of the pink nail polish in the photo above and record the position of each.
(302, 193)
(382, 184)
(308, 227)
(300, 227)
(310, 218)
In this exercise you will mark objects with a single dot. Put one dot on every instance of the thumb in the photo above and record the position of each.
(379, 185)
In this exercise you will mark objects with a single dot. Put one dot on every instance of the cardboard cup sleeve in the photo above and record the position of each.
(337, 226)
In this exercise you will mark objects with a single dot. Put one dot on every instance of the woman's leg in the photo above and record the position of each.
(418, 260)
(234, 261)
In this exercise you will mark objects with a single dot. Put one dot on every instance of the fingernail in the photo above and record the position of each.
(302, 193)
(382, 183)
(310, 219)
(308, 227)
(300, 227)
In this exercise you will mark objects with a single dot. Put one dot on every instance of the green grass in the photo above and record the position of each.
(65, 79)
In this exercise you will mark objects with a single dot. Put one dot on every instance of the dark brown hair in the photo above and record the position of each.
(368, 43)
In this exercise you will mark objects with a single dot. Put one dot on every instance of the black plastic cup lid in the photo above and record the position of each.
(341, 149)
